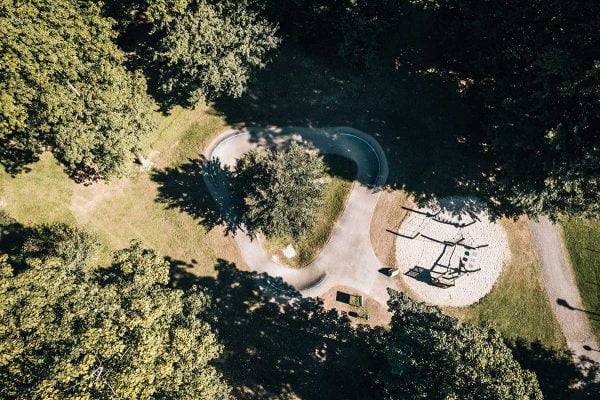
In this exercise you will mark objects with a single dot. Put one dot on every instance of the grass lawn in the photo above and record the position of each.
(127, 208)
(517, 306)
(582, 241)
(342, 172)
(42, 195)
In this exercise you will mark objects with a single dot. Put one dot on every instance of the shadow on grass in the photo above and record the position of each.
(280, 345)
(434, 145)
(14, 157)
(556, 370)
(183, 188)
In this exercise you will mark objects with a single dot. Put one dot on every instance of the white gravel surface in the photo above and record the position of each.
(451, 219)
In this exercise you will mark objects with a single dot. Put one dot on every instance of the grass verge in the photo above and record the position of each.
(517, 306)
(388, 214)
(582, 242)
(127, 208)
(342, 172)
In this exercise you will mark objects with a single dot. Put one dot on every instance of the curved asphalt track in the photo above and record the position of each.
(348, 258)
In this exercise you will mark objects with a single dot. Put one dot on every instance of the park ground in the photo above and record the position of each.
(127, 209)
(582, 242)
(300, 91)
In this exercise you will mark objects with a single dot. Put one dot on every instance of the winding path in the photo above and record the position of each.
(348, 258)
(562, 291)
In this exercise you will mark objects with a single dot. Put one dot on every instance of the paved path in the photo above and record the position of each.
(348, 258)
(562, 290)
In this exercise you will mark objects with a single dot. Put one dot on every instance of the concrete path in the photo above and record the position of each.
(562, 290)
(348, 258)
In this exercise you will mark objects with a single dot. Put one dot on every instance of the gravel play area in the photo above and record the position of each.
(449, 252)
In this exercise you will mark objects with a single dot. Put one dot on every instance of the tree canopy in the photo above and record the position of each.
(282, 190)
(64, 87)
(69, 330)
(527, 70)
(433, 356)
(532, 73)
(196, 50)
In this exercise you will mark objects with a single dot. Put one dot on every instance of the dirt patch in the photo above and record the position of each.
(86, 199)
(388, 215)
(378, 314)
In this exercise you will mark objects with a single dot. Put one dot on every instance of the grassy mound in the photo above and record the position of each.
(341, 174)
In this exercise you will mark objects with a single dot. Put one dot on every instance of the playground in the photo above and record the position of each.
(450, 252)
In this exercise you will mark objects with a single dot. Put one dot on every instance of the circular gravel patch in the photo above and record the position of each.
(453, 240)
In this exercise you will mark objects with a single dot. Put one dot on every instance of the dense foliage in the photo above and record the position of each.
(282, 190)
(528, 70)
(69, 330)
(532, 72)
(194, 50)
(64, 87)
(433, 356)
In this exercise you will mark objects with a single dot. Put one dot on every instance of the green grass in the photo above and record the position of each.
(126, 209)
(517, 306)
(182, 134)
(42, 195)
(582, 241)
(342, 172)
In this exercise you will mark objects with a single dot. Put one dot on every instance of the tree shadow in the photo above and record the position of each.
(556, 371)
(434, 145)
(184, 188)
(340, 167)
(14, 158)
(12, 236)
(280, 345)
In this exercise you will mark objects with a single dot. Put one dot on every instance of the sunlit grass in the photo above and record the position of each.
(126, 209)
(42, 195)
(582, 240)
(342, 172)
(517, 305)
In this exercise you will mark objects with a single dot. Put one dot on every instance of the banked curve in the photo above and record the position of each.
(347, 258)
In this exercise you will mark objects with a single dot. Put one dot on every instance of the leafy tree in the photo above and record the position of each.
(433, 356)
(109, 333)
(368, 34)
(195, 50)
(64, 87)
(282, 190)
(531, 70)
(311, 23)
(74, 247)
(528, 69)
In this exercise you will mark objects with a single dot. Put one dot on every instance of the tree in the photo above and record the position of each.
(196, 50)
(433, 356)
(282, 190)
(533, 76)
(64, 87)
(107, 333)
(74, 247)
